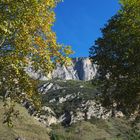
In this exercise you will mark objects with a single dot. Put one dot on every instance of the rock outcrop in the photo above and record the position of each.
(84, 68)
(67, 102)
(80, 69)
(65, 72)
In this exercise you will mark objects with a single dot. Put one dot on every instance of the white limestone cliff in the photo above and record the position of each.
(80, 69)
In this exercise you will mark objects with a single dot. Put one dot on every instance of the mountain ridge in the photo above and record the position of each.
(81, 68)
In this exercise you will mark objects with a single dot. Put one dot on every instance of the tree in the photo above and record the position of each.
(117, 53)
(26, 37)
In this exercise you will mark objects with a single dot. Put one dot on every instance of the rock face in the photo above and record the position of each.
(65, 73)
(84, 68)
(35, 74)
(80, 69)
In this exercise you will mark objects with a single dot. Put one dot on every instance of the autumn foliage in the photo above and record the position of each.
(26, 37)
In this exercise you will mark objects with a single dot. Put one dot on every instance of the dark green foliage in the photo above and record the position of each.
(134, 133)
(54, 136)
(117, 53)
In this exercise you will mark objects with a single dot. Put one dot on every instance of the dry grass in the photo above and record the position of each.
(25, 126)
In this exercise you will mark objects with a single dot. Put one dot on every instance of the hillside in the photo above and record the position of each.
(63, 116)
(69, 101)
(25, 127)
(95, 129)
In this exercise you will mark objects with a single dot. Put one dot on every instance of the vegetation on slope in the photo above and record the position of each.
(25, 127)
(79, 92)
(97, 129)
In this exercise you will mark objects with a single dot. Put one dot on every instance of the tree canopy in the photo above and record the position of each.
(117, 53)
(26, 37)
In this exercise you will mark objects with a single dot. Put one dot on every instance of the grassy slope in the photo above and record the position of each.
(25, 126)
(113, 129)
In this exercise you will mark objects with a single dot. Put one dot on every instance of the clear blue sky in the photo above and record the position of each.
(78, 22)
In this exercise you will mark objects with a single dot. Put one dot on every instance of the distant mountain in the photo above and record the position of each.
(80, 69)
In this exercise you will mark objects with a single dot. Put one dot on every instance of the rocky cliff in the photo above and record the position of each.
(69, 101)
(80, 69)
(84, 68)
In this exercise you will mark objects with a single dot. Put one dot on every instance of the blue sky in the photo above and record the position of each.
(78, 22)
